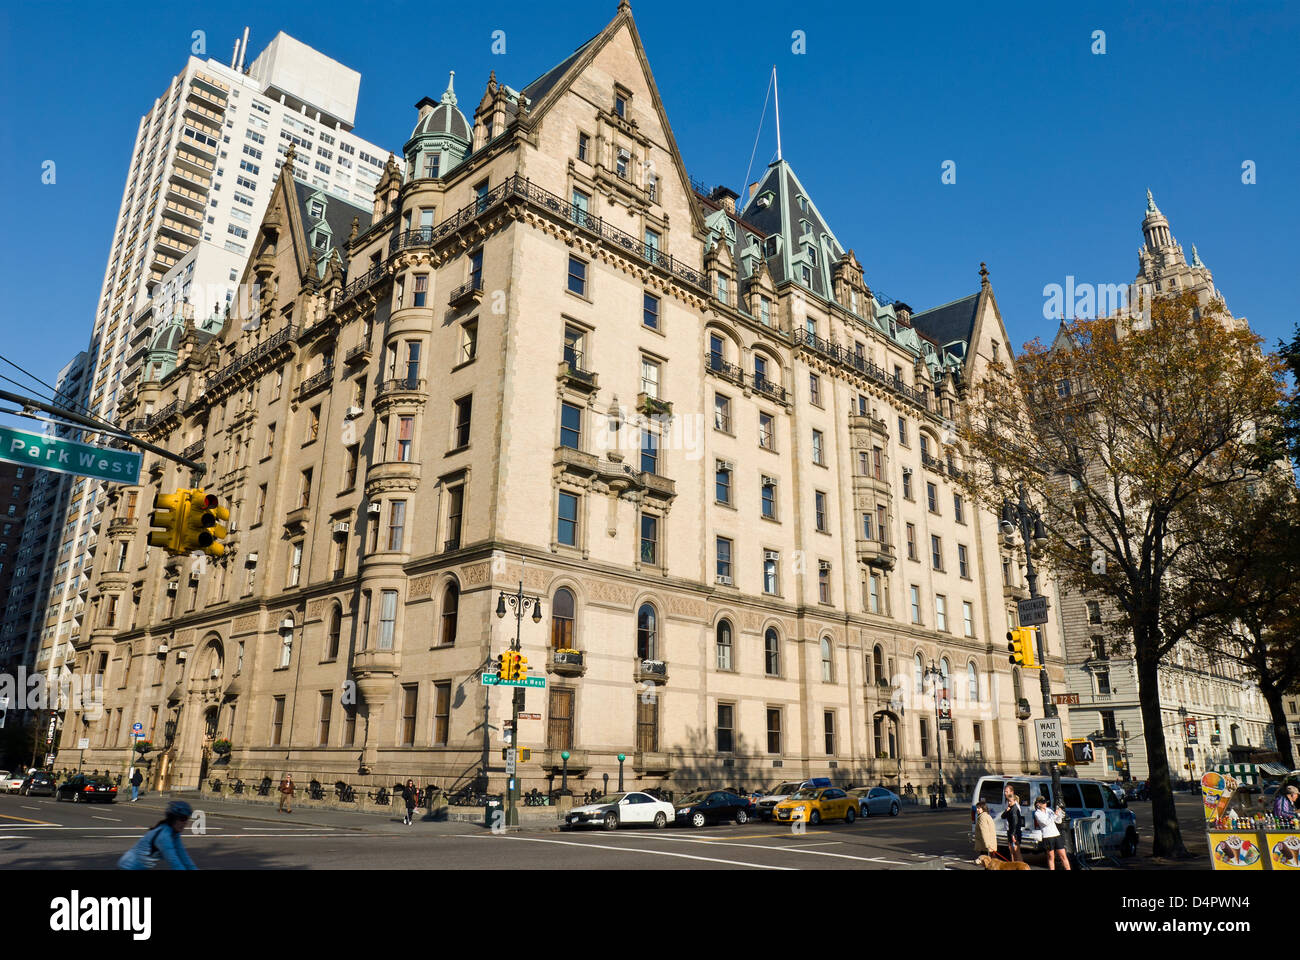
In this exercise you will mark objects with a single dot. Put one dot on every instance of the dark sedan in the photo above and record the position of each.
(38, 785)
(712, 806)
(84, 789)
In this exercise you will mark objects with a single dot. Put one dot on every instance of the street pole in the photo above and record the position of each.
(1027, 520)
(520, 603)
(937, 674)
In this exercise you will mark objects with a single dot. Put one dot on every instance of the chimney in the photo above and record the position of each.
(243, 51)
(234, 57)
(725, 197)
(903, 312)
(753, 189)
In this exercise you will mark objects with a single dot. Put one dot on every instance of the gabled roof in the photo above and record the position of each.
(543, 84)
(337, 219)
(949, 322)
(774, 208)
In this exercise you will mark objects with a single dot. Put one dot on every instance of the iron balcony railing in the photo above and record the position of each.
(862, 365)
(359, 350)
(259, 351)
(573, 360)
(931, 463)
(467, 289)
(399, 384)
(363, 282)
(193, 450)
(766, 387)
(313, 383)
(715, 363)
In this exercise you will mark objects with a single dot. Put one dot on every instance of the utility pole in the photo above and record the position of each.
(937, 674)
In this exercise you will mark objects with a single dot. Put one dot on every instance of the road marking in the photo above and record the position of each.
(113, 819)
(13, 816)
(761, 846)
(657, 853)
(796, 846)
(229, 836)
(25, 807)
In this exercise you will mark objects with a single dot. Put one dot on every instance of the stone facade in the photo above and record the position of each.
(543, 358)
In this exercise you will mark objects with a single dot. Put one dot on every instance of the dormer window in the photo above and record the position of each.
(769, 247)
(811, 253)
(620, 104)
(433, 165)
(803, 203)
(806, 275)
(316, 209)
(320, 241)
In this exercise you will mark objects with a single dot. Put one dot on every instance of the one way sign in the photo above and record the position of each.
(1081, 751)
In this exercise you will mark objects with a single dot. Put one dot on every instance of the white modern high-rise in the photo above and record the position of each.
(205, 159)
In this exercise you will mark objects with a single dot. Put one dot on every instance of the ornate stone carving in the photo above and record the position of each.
(476, 573)
(421, 588)
(686, 607)
(753, 622)
(247, 623)
(315, 609)
(601, 591)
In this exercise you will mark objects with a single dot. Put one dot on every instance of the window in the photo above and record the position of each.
(649, 539)
(650, 311)
(455, 509)
(828, 665)
(907, 483)
(764, 311)
(650, 378)
(335, 633)
(620, 105)
(295, 563)
(911, 541)
(350, 467)
(724, 289)
(647, 724)
(1103, 683)
(817, 453)
(902, 429)
(562, 620)
(313, 423)
(464, 407)
(963, 561)
(873, 593)
(958, 508)
(622, 162)
(772, 652)
(405, 432)
(936, 553)
(724, 560)
(410, 695)
(577, 276)
(819, 511)
(916, 603)
(571, 426)
(726, 728)
(396, 524)
(940, 612)
(721, 413)
(387, 619)
(421, 291)
(932, 497)
(450, 613)
(977, 741)
(866, 527)
(968, 618)
(771, 572)
(766, 431)
(559, 719)
(432, 164)
(584, 142)
(326, 708)
(567, 520)
(828, 724)
(723, 635)
(646, 640)
(823, 581)
(925, 738)
(773, 730)
(441, 713)
(277, 720)
(722, 482)
(1094, 611)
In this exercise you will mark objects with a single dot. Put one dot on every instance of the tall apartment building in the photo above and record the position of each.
(1229, 714)
(16, 487)
(41, 555)
(540, 357)
(204, 163)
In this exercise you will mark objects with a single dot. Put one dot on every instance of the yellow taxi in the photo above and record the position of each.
(813, 805)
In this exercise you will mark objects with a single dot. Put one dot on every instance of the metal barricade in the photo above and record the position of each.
(1086, 834)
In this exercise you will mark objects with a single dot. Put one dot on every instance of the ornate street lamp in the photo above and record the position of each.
(519, 602)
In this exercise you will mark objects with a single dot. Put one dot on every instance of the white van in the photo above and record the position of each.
(1083, 798)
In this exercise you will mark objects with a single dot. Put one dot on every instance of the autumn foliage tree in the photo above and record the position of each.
(1126, 433)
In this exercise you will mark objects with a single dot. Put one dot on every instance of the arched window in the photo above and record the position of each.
(724, 645)
(286, 640)
(920, 674)
(828, 671)
(646, 633)
(336, 629)
(945, 675)
(878, 664)
(772, 652)
(972, 683)
(450, 612)
(562, 620)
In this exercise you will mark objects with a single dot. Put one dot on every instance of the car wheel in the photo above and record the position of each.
(893, 809)
(697, 819)
(849, 815)
(742, 816)
(611, 821)
(815, 818)
(661, 821)
(1129, 847)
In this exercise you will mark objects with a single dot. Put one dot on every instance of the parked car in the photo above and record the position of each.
(711, 806)
(12, 781)
(1138, 791)
(83, 788)
(1083, 798)
(876, 800)
(767, 803)
(621, 809)
(38, 784)
(815, 804)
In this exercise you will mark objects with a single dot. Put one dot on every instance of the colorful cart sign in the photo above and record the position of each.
(1236, 850)
(1217, 790)
(1284, 850)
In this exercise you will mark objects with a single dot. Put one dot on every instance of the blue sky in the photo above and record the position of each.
(1054, 145)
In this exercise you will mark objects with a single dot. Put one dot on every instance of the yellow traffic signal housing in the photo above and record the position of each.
(512, 665)
(205, 524)
(521, 667)
(169, 513)
(1020, 641)
(501, 666)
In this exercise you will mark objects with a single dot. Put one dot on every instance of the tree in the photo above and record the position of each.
(1290, 353)
(1130, 431)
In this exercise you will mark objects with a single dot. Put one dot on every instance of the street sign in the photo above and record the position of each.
(83, 743)
(530, 716)
(945, 724)
(1066, 699)
(137, 727)
(510, 762)
(1051, 741)
(139, 735)
(1082, 750)
(1032, 611)
(49, 759)
(69, 456)
(492, 680)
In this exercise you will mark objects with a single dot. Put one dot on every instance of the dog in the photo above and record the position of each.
(993, 863)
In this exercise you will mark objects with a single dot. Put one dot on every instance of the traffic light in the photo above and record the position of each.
(521, 667)
(169, 514)
(203, 527)
(1020, 641)
(502, 666)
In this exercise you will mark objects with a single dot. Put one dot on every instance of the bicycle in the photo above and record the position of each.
(345, 793)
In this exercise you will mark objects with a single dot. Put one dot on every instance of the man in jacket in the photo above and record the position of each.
(1285, 804)
(286, 794)
(137, 778)
(986, 838)
(1015, 818)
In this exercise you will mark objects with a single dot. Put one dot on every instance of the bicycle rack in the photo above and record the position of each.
(315, 790)
(344, 792)
(215, 784)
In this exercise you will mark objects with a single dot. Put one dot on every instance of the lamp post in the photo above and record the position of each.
(1020, 516)
(519, 603)
(564, 773)
(621, 758)
(937, 674)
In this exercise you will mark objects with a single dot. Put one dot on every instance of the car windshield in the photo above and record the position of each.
(695, 797)
(786, 788)
(611, 798)
(806, 794)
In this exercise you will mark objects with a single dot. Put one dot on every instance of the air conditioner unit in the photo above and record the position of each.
(215, 673)
(163, 648)
(251, 560)
(182, 655)
(769, 481)
(372, 507)
(352, 413)
(342, 526)
(725, 581)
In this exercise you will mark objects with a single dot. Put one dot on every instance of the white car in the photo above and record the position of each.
(12, 781)
(622, 809)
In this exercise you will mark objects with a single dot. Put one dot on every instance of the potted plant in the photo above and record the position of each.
(221, 747)
(143, 746)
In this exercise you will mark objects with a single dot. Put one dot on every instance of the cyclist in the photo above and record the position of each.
(162, 841)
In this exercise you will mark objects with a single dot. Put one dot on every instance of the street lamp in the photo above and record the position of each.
(937, 674)
(1033, 533)
(520, 603)
(621, 758)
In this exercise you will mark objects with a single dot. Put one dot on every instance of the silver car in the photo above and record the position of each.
(877, 800)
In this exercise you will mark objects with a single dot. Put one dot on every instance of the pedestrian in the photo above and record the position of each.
(137, 778)
(162, 841)
(986, 838)
(1285, 804)
(1046, 820)
(286, 794)
(409, 795)
(1015, 818)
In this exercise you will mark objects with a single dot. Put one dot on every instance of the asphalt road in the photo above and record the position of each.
(38, 833)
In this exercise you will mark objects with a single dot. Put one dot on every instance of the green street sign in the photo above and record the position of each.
(492, 680)
(69, 456)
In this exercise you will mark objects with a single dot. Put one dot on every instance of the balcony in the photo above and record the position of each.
(402, 388)
(467, 293)
(573, 373)
(316, 382)
(656, 486)
(715, 364)
(121, 525)
(768, 388)
(651, 671)
(1013, 592)
(876, 554)
(576, 462)
(932, 463)
(579, 760)
(565, 663)
(652, 763)
(297, 518)
(361, 353)
(859, 421)
(362, 283)
(652, 406)
(193, 450)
